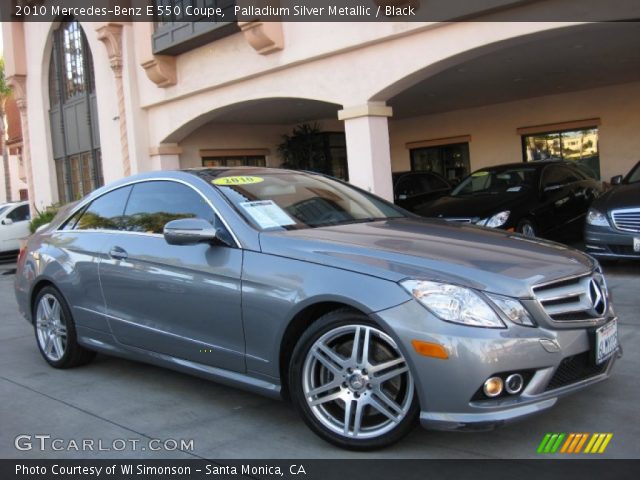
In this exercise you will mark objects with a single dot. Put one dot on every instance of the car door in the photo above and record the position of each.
(182, 301)
(14, 228)
(560, 206)
(79, 246)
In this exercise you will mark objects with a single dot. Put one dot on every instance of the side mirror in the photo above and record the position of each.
(191, 231)
(617, 180)
(7, 221)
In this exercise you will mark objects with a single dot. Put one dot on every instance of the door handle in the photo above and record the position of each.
(118, 253)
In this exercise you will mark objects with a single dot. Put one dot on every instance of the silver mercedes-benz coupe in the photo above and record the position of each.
(300, 286)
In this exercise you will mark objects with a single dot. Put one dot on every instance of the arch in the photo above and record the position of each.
(417, 73)
(236, 112)
(71, 100)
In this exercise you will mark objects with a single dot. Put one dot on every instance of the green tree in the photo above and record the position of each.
(5, 93)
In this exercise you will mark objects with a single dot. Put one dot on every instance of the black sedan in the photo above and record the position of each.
(412, 190)
(545, 198)
(612, 229)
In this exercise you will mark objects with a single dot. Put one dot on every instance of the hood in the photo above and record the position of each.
(621, 196)
(471, 206)
(396, 249)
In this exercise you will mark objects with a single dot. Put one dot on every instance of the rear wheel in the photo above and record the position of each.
(352, 384)
(56, 332)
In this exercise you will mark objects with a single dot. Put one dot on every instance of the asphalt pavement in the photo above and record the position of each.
(126, 409)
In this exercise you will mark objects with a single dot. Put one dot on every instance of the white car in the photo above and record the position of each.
(14, 225)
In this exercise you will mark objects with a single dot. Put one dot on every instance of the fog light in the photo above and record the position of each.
(493, 387)
(514, 383)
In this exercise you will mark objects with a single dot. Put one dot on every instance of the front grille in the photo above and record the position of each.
(574, 299)
(627, 220)
(575, 368)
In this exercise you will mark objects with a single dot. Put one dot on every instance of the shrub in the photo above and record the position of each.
(43, 217)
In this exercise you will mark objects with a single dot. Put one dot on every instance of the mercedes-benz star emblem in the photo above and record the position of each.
(596, 298)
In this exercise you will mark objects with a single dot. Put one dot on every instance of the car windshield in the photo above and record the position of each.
(290, 200)
(493, 182)
(634, 174)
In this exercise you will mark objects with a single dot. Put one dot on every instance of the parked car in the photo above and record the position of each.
(537, 199)
(298, 285)
(14, 226)
(612, 229)
(411, 190)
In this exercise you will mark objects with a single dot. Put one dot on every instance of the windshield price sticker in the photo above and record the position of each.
(480, 174)
(267, 214)
(238, 180)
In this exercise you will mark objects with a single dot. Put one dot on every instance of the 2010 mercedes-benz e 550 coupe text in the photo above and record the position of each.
(297, 285)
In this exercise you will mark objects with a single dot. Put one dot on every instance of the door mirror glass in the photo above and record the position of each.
(617, 180)
(7, 221)
(191, 231)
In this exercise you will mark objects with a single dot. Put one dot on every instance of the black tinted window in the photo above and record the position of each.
(19, 214)
(154, 204)
(104, 213)
(556, 176)
(436, 183)
(410, 185)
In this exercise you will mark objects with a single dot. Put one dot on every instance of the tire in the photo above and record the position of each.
(527, 228)
(380, 402)
(55, 331)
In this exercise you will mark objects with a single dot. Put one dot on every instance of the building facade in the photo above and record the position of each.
(99, 101)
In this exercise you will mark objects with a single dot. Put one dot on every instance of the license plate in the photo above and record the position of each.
(606, 341)
(636, 244)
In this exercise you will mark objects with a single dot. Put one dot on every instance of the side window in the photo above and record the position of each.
(556, 176)
(153, 204)
(104, 213)
(409, 185)
(436, 183)
(20, 214)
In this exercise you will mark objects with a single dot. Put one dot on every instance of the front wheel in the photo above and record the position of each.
(527, 228)
(351, 383)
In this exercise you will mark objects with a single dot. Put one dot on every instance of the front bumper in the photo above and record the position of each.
(448, 389)
(607, 242)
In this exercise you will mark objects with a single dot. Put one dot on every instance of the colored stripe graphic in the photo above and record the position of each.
(573, 443)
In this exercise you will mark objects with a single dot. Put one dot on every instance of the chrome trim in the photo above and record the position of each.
(587, 295)
(633, 220)
(88, 200)
(458, 219)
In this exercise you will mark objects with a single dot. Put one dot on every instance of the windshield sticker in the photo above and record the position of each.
(514, 189)
(267, 214)
(238, 180)
(480, 174)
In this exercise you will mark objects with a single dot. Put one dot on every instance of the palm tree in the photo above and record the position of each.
(5, 93)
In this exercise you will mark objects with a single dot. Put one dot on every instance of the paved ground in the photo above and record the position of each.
(117, 399)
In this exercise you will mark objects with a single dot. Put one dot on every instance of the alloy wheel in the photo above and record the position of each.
(356, 382)
(51, 328)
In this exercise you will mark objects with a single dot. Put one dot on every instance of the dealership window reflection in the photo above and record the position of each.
(579, 146)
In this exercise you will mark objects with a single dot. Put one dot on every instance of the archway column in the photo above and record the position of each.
(165, 156)
(111, 35)
(19, 85)
(369, 157)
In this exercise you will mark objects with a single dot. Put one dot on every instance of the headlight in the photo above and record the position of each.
(496, 220)
(594, 217)
(513, 309)
(453, 303)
